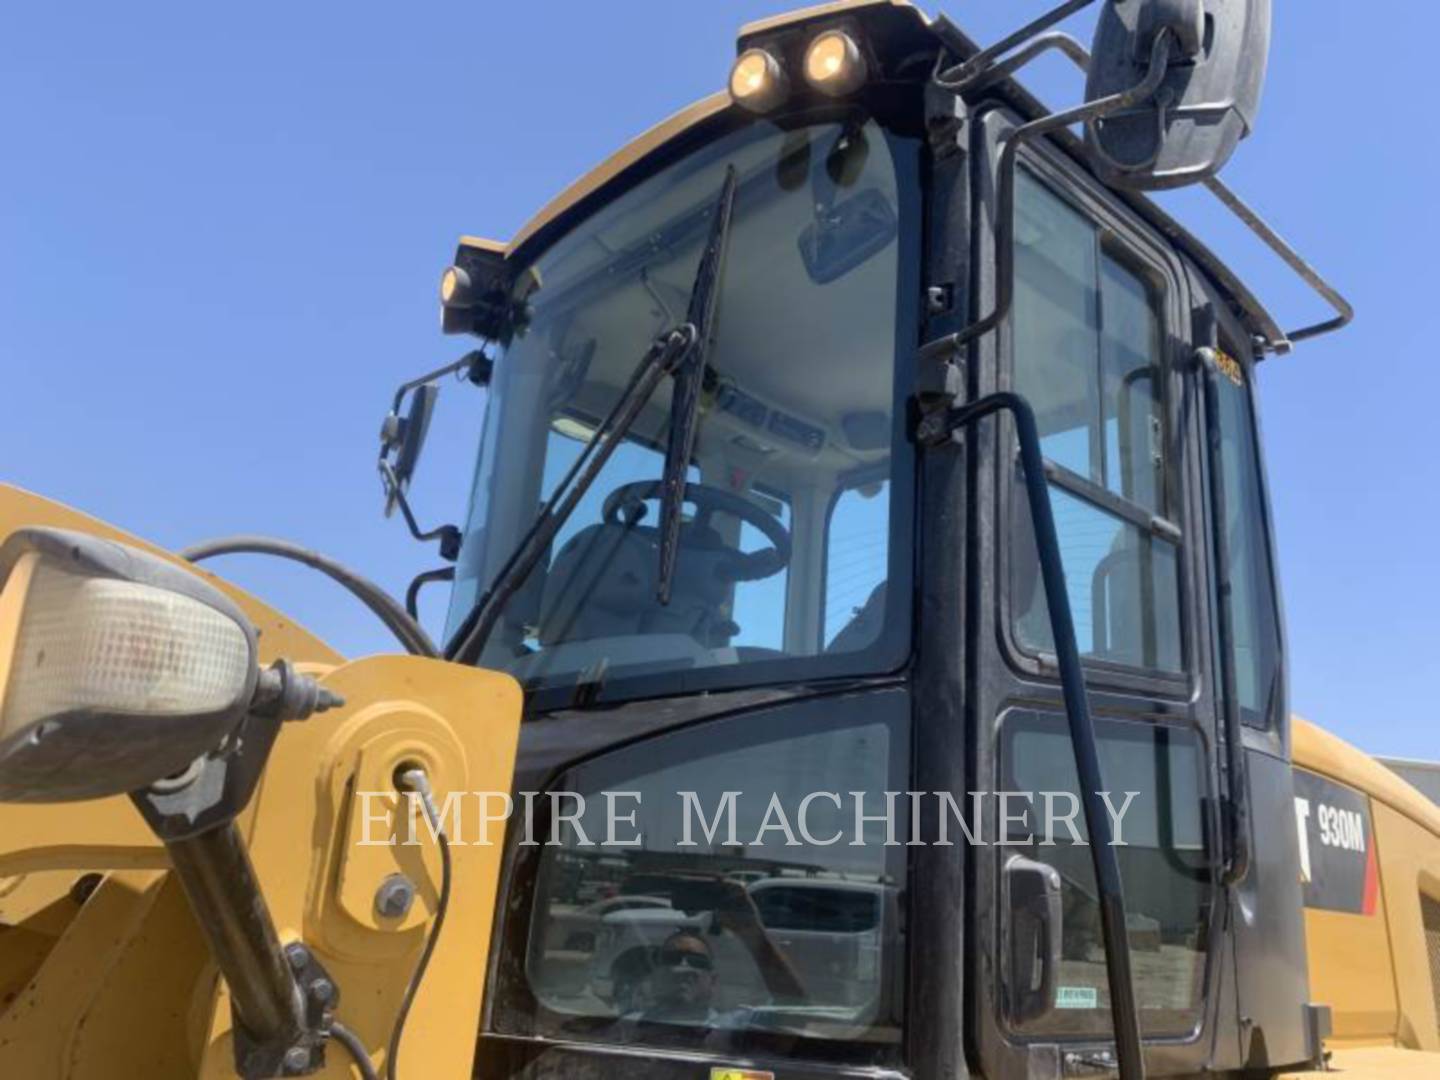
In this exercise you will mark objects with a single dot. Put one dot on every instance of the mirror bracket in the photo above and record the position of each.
(402, 437)
(968, 79)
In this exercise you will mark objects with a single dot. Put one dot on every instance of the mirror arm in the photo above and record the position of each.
(962, 75)
(934, 430)
(1344, 311)
(448, 535)
(412, 594)
(962, 82)
(475, 366)
(943, 347)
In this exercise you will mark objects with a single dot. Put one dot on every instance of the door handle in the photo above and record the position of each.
(1033, 927)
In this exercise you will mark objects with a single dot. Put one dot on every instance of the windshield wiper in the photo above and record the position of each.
(681, 351)
(689, 379)
(663, 356)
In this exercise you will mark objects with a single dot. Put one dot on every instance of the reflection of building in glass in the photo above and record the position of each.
(1423, 775)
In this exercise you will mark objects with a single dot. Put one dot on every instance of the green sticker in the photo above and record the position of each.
(1077, 997)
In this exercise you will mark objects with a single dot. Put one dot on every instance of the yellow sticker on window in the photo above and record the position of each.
(1229, 367)
(721, 1073)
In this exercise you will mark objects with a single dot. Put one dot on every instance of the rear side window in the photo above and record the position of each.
(1430, 914)
(826, 908)
(1256, 647)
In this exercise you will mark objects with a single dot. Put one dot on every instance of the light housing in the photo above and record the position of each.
(834, 64)
(757, 81)
(455, 288)
(117, 668)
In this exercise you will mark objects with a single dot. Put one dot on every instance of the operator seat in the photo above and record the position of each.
(602, 584)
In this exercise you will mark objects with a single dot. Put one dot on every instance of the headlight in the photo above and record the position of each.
(834, 64)
(757, 81)
(117, 668)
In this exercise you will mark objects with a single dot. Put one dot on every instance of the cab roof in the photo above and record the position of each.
(899, 25)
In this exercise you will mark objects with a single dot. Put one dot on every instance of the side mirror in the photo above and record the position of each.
(117, 668)
(1031, 954)
(404, 438)
(1206, 103)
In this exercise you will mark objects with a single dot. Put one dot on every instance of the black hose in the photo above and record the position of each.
(351, 1042)
(386, 608)
(442, 905)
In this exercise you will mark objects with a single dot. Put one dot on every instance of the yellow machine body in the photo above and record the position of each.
(103, 972)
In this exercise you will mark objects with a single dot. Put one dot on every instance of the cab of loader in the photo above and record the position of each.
(869, 504)
(753, 522)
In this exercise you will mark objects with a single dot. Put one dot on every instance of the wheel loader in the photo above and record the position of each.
(864, 655)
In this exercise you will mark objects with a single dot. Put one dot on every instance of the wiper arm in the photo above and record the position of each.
(689, 379)
(664, 355)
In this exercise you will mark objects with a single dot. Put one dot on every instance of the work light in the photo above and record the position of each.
(834, 64)
(455, 291)
(117, 668)
(757, 81)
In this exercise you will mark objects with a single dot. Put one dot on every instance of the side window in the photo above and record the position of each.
(1163, 867)
(703, 921)
(1430, 917)
(1088, 348)
(1256, 635)
(758, 607)
(857, 554)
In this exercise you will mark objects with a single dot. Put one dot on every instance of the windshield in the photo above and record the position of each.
(794, 543)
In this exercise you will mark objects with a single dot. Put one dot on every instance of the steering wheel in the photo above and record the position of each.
(625, 504)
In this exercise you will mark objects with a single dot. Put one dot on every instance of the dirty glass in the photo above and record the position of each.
(728, 913)
(799, 396)
(1088, 356)
(1164, 867)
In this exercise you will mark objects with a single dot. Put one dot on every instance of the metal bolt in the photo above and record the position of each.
(297, 1059)
(322, 991)
(298, 955)
(394, 897)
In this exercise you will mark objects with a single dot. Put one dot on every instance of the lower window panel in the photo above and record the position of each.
(1165, 865)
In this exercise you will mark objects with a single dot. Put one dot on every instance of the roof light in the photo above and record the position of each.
(834, 64)
(757, 81)
(455, 288)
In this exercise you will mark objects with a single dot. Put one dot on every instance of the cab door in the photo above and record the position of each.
(1099, 341)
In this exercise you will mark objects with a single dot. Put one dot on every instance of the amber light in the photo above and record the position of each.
(757, 81)
(834, 64)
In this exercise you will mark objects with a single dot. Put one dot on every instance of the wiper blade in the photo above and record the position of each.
(689, 380)
(664, 354)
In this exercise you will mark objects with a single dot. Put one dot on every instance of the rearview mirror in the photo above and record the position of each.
(847, 234)
(404, 437)
(1206, 104)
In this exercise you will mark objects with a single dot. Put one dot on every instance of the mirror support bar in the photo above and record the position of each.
(1005, 214)
(972, 76)
(936, 429)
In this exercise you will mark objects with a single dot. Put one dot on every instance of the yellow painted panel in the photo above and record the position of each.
(1409, 863)
(1350, 971)
(1375, 1063)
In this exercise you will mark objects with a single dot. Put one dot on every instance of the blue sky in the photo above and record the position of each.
(221, 231)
